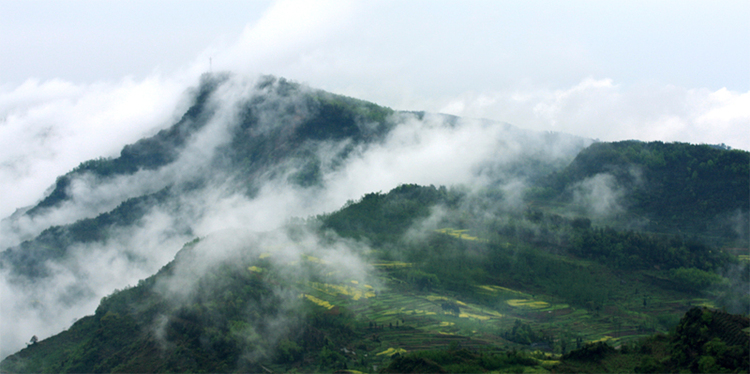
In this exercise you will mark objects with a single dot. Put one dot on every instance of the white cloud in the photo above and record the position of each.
(74, 289)
(47, 128)
(603, 109)
(598, 195)
(287, 33)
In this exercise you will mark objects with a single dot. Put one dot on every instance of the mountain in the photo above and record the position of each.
(658, 187)
(272, 133)
(278, 132)
(531, 241)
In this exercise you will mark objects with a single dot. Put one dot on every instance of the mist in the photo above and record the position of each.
(599, 196)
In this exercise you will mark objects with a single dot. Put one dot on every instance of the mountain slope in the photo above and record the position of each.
(284, 145)
(316, 296)
(662, 187)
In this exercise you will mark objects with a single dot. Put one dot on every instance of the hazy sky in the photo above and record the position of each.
(79, 79)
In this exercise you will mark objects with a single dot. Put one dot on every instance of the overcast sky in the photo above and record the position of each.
(79, 79)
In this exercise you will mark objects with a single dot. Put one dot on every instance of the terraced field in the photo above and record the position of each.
(399, 319)
(460, 234)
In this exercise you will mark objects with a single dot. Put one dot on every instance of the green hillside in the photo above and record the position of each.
(695, 190)
(452, 291)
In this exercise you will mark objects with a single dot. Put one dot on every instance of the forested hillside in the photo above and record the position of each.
(426, 280)
(694, 190)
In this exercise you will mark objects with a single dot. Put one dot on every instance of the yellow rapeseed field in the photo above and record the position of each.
(493, 288)
(706, 304)
(392, 264)
(312, 259)
(527, 303)
(494, 313)
(335, 290)
(392, 351)
(315, 300)
(408, 311)
(436, 298)
(461, 234)
(604, 339)
(476, 316)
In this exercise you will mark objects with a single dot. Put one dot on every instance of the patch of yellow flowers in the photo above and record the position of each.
(527, 303)
(461, 234)
(334, 290)
(392, 264)
(392, 351)
(315, 300)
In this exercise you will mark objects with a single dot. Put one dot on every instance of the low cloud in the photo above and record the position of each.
(604, 109)
(598, 196)
(46, 306)
(49, 127)
(433, 151)
(294, 260)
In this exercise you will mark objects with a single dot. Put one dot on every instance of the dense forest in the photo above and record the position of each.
(694, 190)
